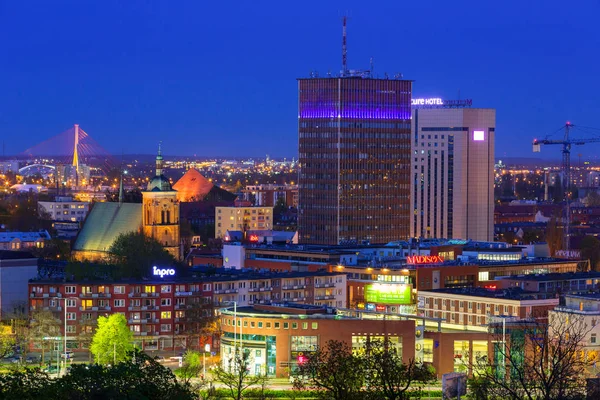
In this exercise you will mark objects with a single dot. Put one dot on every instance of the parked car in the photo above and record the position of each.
(159, 359)
(69, 355)
(31, 360)
(12, 359)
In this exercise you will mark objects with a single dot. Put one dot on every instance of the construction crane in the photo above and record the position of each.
(566, 143)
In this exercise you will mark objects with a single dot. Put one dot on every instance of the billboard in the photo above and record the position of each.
(388, 293)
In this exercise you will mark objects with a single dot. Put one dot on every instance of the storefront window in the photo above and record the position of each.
(461, 355)
(480, 355)
(428, 350)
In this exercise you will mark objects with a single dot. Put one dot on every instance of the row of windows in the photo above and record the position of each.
(268, 324)
(121, 289)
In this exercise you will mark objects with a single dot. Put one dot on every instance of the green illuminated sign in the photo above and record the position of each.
(388, 293)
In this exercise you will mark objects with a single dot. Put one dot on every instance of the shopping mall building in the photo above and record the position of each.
(277, 337)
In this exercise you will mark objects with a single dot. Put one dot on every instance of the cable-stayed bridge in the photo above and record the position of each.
(73, 147)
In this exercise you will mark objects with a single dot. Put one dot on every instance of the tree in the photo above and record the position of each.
(535, 360)
(136, 254)
(236, 374)
(192, 366)
(590, 249)
(201, 324)
(44, 324)
(112, 341)
(334, 372)
(26, 384)
(140, 378)
(388, 377)
(554, 234)
(7, 340)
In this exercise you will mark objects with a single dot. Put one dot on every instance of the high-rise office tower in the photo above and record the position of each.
(354, 145)
(452, 178)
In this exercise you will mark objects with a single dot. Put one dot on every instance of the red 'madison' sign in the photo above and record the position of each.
(424, 259)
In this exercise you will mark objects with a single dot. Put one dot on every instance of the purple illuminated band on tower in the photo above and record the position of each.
(356, 113)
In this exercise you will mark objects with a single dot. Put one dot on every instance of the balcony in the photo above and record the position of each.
(134, 308)
(297, 299)
(182, 306)
(259, 301)
(142, 295)
(226, 291)
(95, 295)
(288, 287)
(138, 321)
(261, 289)
(325, 297)
(140, 333)
(179, 294)
(95, 308)
(324, 285)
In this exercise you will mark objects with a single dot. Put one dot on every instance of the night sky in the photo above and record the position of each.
(218, 78)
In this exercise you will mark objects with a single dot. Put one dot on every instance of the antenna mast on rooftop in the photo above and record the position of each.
(344, 49)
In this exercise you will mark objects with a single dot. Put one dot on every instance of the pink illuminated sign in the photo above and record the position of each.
(478, 135)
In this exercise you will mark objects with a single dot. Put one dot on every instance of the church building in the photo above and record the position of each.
(157, 217)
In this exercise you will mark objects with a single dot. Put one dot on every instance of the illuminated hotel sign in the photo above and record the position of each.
(253, 238)
(434, 101)
(424, 259)
(163, 272)
(437, 102)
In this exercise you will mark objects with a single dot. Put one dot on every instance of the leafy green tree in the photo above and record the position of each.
(236, 376)
(112, 340)
(388, 377)
(7, 340)
(44, 324)
(334, 372)
(136, 254)
(590, 249)
(192, 366)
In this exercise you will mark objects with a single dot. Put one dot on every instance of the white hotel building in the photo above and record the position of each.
(452, 173)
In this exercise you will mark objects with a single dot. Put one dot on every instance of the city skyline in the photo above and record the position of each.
(153, 72)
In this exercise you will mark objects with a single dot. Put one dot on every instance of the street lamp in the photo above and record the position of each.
(206, 350)
(65, 333)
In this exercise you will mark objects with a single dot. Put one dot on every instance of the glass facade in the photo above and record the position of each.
(354, 154)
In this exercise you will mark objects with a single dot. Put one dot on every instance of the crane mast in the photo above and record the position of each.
(566, 144)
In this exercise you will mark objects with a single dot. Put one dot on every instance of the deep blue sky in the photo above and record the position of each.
(219, 77)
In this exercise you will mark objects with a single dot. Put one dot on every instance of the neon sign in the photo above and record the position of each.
(424, 259)
(253, 238)
(439, 102)
(478, 135)
(163, 271)
(433, 101)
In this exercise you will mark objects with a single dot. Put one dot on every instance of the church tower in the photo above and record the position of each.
(160, 211)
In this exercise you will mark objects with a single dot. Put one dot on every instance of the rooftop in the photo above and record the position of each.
(513, 293)
(554, 276)
(105, 223)
(15, 255)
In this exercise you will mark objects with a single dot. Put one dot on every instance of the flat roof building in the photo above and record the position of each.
(354, 154)
(452, 174)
